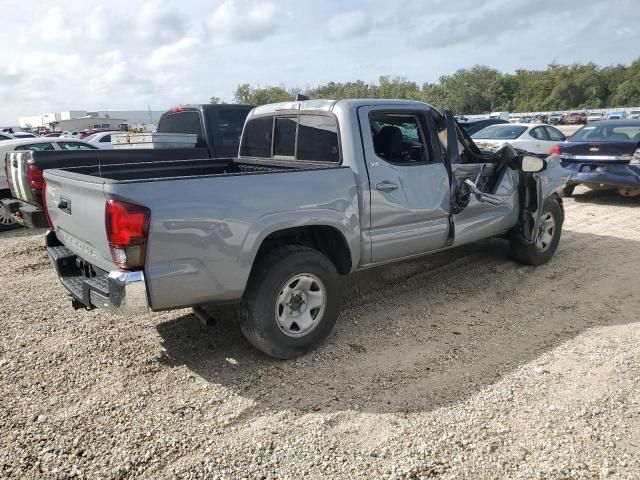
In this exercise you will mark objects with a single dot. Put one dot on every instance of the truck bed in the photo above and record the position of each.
(182, 169)
(207, 217)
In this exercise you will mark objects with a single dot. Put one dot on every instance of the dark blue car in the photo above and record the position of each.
(604, 155)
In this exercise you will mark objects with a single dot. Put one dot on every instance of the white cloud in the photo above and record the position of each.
(178, 53)
(157, 22)
(348, 25)
(243, 21)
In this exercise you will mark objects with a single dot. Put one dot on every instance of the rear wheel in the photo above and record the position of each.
(547, 238)
(292, 301)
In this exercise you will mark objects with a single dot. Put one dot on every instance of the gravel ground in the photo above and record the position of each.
(459, 365)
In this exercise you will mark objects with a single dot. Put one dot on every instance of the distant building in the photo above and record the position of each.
(53, 121)
(84, 123)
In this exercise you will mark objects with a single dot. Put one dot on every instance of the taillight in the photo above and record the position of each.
(555, 149)
(44, 204)
(127, 227)
(36, 180)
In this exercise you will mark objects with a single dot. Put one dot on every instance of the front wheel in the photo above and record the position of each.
(547, 238)
(292, 301)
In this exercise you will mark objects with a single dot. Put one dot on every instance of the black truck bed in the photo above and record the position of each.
(177, 169)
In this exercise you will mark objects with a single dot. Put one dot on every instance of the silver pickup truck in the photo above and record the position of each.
(319, 189)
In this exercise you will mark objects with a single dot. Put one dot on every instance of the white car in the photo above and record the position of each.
(31, 143)
(595, 117)
(101, 140)
(23, 135)
(531, 137)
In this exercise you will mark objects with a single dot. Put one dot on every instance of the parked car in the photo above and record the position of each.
(605, 155)
(72, 134)
(87, 133)
(574, 118)
(555, 119)
(634, 114)
(473, 126)
(24, 135)
(320, 189)
(621, 115)
(217, 129)
(533, 138)
(6, 136)
(102, 140)
(595, 117)
(19, 144)
(52, 134)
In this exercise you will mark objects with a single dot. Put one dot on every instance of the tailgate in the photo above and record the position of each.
(76, 207)
(17, 164)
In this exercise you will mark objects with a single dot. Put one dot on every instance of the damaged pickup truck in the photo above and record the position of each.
(320, 189)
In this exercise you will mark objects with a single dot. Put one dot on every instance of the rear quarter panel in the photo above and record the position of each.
(205, 232)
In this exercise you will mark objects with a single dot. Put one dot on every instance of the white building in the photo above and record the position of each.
(51, 121)
(85, 123)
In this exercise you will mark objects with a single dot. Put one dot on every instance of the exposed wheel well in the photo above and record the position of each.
(327, 240)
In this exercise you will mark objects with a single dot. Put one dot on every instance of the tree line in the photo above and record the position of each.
(482, 89)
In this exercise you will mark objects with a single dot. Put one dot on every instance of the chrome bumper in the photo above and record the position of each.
(120, 292)
(127, 293)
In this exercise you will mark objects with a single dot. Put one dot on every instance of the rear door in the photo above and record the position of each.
(409, 185)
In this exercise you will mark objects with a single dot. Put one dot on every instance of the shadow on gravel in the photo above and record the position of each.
(427, 333)
(606, 197)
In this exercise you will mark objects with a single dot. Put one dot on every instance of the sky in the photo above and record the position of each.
(123, 55)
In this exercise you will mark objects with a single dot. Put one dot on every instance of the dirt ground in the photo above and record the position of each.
(459, 365)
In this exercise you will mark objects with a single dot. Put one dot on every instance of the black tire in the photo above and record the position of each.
(568, 190)
(534, 254)
(268, 280)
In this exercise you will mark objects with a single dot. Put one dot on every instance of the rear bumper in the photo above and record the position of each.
(118, 291)
(615, 175)
(26, 214)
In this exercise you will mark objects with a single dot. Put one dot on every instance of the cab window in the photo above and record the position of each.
(398, 138)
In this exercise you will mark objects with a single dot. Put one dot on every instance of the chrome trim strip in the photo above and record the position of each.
(596, 158)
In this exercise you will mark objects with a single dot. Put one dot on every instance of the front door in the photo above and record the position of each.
(409, 184)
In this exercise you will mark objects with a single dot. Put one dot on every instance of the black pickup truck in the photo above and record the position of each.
(218, 129)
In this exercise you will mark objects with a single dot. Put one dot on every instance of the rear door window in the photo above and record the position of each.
(554, 134)
(539, 134)
(398, 138)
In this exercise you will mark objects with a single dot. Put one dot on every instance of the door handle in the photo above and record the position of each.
(387, 186)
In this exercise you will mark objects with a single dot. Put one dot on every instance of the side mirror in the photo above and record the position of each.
(532, 164)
